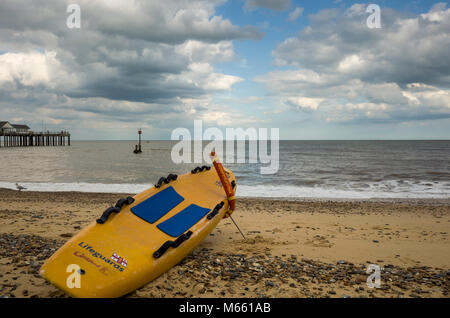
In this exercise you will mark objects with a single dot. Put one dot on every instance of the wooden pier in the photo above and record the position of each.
(34, 139)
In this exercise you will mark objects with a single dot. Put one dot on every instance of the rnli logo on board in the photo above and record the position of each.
(120, 266)
(120, 260)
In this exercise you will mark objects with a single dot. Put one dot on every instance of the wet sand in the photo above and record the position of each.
(304, 248)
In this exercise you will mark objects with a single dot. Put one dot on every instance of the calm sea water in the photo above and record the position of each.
(311, 169)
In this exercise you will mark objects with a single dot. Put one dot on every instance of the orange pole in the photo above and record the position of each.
(225, 184)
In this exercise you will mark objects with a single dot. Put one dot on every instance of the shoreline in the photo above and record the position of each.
(293, 248)
(411, 200)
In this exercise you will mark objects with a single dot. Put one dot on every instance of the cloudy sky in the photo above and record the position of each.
(314, 69)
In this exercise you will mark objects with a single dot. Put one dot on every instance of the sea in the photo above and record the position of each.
(306, 169)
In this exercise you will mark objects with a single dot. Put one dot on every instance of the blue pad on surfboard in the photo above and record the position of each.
(183, 220)
(155, 207)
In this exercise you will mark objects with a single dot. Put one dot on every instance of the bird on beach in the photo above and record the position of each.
(19, 187)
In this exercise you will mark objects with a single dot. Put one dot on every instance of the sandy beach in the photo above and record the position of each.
(302, 248)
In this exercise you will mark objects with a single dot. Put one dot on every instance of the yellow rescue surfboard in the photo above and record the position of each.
(141, 237)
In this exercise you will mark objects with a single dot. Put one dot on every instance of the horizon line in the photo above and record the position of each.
(434, 139)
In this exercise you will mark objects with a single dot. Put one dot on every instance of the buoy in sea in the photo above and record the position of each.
(138, 148)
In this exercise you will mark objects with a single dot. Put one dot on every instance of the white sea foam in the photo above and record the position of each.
(385, 189)
(287, 191)
(78, 187)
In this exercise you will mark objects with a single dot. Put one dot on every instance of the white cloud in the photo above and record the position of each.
(351, 63)
(398, 73)
(202, 76)
(207, 52)
(439, 99)
(342, 42)
(131, 60)
(306, 104)
(223, 116)
(295, 14)
(29, 68)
